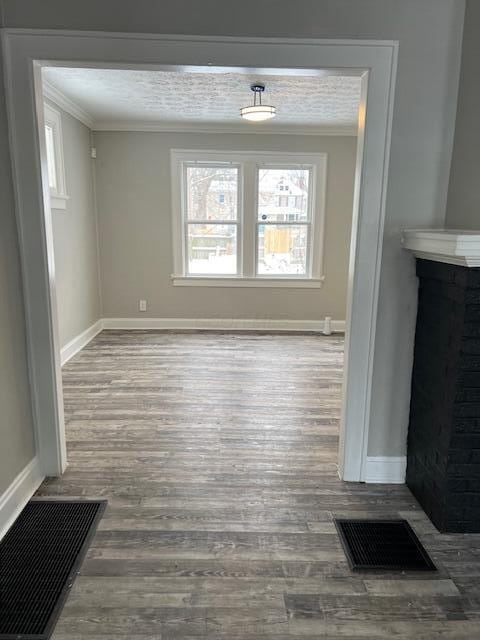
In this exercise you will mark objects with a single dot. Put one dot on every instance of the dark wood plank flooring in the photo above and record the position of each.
(217, 453)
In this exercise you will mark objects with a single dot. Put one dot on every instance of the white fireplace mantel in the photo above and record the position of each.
(452, 246)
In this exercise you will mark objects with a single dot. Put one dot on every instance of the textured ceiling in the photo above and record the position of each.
(113, 95)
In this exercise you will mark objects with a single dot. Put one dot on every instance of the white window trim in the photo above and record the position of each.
(247, 217)
(244, 281)
(58, 196)
(238, 222)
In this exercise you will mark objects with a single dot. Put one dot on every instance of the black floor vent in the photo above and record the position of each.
(39, 557)
(389, 545)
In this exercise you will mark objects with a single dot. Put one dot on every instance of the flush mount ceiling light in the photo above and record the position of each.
(258, 111)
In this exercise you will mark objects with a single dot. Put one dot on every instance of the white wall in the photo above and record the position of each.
(135, 214)
(429, 33)
(463, 210)
(75, 236)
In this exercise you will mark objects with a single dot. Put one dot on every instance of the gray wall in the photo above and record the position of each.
(135, 214)
(429, 33)
(17, 445)
(463, 209)
(75, 236)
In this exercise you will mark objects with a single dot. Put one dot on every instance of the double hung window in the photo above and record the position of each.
(248, 219)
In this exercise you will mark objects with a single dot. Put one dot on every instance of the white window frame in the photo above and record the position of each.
(309, 222)
(58, 195)
(237, 222)
(249, 163)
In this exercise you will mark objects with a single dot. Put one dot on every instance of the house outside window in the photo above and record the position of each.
(248, 219)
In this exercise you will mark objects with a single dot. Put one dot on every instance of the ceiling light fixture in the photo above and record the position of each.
(258, 111)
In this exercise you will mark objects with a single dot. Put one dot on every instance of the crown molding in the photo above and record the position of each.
(186, 127)
(61, 100)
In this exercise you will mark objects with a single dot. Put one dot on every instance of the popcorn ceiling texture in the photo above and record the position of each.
(124, 95)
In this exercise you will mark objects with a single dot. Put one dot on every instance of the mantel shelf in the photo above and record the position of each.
(452, 246)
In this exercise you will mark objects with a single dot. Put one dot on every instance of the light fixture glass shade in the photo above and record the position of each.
(258, 112)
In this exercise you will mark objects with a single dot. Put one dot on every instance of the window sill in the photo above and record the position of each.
(58, 202)
(238, 281)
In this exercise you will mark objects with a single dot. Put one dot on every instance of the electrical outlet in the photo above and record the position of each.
(142, 305)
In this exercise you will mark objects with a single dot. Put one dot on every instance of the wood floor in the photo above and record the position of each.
(217, 453)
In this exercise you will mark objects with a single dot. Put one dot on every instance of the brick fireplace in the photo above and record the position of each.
(443, 452)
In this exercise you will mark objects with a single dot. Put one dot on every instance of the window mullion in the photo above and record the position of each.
(212, 221)
(249, 212)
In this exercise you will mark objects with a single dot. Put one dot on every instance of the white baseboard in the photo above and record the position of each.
(18, 494)
(386, 469)
(80, 341)
(225, 324)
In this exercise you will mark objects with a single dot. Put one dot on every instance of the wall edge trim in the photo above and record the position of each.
(16, 496)
(224, 324)
(386, 469)
(79, 342)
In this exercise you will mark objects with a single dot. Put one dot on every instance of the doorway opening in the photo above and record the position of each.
(168, 208)
(374, 65)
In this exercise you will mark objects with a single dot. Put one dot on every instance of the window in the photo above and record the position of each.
(283, 229)
(55, 165)
(248, 219)
(211, 222)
